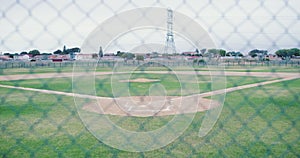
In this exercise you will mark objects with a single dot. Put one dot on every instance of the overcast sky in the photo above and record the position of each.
(238, 25)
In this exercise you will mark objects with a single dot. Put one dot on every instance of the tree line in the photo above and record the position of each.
(282, 53)
(36, 52)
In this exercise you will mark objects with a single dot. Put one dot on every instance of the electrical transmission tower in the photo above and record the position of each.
(170, 44)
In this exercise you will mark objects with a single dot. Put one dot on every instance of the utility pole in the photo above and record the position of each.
(170, 44)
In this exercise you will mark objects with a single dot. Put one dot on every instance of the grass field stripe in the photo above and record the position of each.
(221, 91)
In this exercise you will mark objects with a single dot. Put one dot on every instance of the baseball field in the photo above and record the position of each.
(260, 115)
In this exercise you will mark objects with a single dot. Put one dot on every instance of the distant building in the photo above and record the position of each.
(4, 58)
(22, 57)
(42, 57)
(112, 57)
(192, 58)
(80, 56)
(189, 53)
(109, 54)
(272, 57)
(71, 51)
(59, 58)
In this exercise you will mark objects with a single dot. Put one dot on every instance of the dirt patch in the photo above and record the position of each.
(141, 80)
(146, 106)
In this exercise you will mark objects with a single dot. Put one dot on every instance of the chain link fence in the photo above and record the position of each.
(238, 62)
(61, 109)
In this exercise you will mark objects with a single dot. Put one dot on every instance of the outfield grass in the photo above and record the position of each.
(38, 70)
(255, 122)
(170, 82)
(15, 71)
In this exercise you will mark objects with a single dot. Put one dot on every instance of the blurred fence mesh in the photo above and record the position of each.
(262, 121)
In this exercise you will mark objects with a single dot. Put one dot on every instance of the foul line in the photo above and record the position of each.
(53, 92)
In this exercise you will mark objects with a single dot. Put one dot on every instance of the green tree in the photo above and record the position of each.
(23, 53)
(222, 52)
(281, 53)
(57, 52)
(295, 51)
(288, 53)
(255, 52)
(9, 55)
(70, 51)
(235, 54)
(120, 54)
(216, 52)
(128, 56)
(139, 58)
(34, 52)
(213, 51)
(46, 54)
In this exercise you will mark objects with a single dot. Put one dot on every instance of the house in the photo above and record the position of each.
(191, 57)
(42, 57)
(59, 58)
(4, 58)
(81, 56)
(71, 51)
(189, 53)
(22, 57)
(114, 58)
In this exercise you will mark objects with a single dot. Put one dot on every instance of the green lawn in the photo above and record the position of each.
(37, 70)
(257, 122)
(170, 82)
(15, 71)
